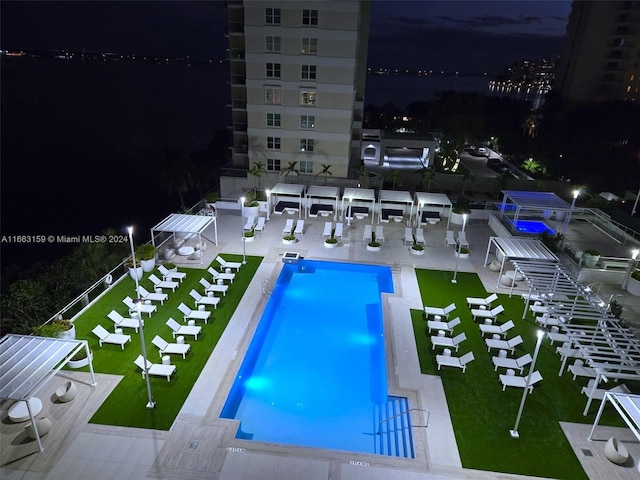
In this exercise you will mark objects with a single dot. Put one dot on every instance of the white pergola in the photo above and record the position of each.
(516, 204)
(395, 198)
(432, 200)
(292, 190)
(627, 405)
(318, 192)
(185, 224)
(351, 195)
(28, 362)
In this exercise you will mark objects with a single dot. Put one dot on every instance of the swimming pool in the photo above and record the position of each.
(315, 372)
(535, 227)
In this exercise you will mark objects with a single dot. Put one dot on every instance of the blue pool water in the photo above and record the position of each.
(315, 372)
(535, 227)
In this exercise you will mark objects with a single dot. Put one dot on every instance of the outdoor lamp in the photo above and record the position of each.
(514, 433)
(268, 192)
(244, 240)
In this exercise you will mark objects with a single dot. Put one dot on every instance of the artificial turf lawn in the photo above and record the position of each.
(126, 404)
(482, 414)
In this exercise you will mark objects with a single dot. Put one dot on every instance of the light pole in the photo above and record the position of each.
(632, 264)
(268, 192)
(576, 193)
(457, 251)
(138, 301)
(244, 245)
(464, 220)
(514, 433)
(350, 213)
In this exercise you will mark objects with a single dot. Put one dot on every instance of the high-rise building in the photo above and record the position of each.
(297, 74)
(600, 59)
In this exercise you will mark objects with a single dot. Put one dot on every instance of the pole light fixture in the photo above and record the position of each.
(632, 266)
(514, 433)
(268, 192)
(244, 239)
(150, 402)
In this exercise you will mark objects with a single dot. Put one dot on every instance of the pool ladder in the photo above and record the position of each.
(267, 287)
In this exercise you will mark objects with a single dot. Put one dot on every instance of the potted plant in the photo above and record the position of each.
(633, 287)
(211, 199)
(249, 235)
(59, 327)
(332, 241)
(551, 240)
(170, 266)
(590, 257)
(147, 255)
(289, 239)
(459, 209)
(416, 248)
(80, 359)
(135, 269)
(462, 252)
(374, 245)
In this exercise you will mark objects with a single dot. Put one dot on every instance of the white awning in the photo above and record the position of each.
(427, 201)
(287, 190)
(351, 195)
(186, 224)
(536, 200)
(395, 197)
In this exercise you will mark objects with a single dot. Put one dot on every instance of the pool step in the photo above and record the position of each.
(393, 428)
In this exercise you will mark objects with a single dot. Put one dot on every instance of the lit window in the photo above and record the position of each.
(306, 144)
(307, 121)
(273, 143)
(310, 17)
(273, 95)
(310, 46)
(306, 166)
(273, 120)
(273, 164)
(273, 70)
(628, 88)
(272, 16)
(273, 44)
(308, 97)
(308, 72)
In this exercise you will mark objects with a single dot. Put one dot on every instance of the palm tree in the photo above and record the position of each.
(290, 169)
(326, 171)
(395, 178)
(467, 176)
(174, 174)
(257, 170)
(428, 174)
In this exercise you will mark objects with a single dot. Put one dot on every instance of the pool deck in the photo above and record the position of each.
(200, 445)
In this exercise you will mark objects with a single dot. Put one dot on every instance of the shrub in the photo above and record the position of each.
(591, 251)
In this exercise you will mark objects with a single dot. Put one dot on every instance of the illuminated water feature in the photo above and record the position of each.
(533, 227)
(315, 372)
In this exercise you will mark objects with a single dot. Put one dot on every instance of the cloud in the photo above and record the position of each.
(491, 21)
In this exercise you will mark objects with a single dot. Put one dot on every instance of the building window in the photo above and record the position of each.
(272, 16)
(310, 18)
(273, 44)
(273, 70)
(273, 120)
(306, 166)
(273, 164)
(612, 65)
(306, 144)
(310, 46)
(308, 72)
(307, 121)
(273, 143)
(273, 95)
(616, 54)
(308, 97)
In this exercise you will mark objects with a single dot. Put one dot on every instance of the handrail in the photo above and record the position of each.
(402, 413)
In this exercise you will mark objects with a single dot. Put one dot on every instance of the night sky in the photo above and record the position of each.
(469, 36)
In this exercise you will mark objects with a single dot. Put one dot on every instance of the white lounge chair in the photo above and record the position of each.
(338, 232)
(442, 312)
(224, 264)
(513, 363)
(420, 235)
(194, 314)
(380, 233)
(171, 275)
(368, 233)
(260, 225)
(157, 283)
(500, 344)
(251, 222)
(288, 226)
(206, 301)
(445, 326)
(462, 239)
(487, 314)
(152, 296)
(299, 228)
(598, 393)
(143, 307)
(457, 362)
(166, 348)
(155, 368)
(328, 226)
(177, 329)
(448, 342)
(122, 322)
(216, 275)
(485, 302)
(215, 288)
(520, 382)
(579, 370)
(105, 337)
(497, 329)
(449, 239)
(408, 235)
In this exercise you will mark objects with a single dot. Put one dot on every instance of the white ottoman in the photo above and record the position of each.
(42, 424)
(191, 323)
(502, 354)
(166, 360)
(180, 340)
(446, 352)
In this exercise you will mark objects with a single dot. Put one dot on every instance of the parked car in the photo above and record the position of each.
(497, 165)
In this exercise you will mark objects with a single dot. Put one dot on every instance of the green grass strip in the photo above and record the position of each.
(126, 406)
(482, 414)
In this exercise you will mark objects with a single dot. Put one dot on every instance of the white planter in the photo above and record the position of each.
(148, 265)
(289, 242)
(633, 287)
(462, 255)
(80, 363)
(249, 239)
(68, 334)
(590, 261)
(250, 212)
(457, 218)
(136, 272)
(330, 245)
(373, 249)
(416, 252)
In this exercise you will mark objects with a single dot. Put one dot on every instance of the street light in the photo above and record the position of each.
(514, 433)
(244, 239)
(632, 265)
(576, 193)
(268, 192)
(137, 302)
(349, 213)
(464, 220)
(457, 251)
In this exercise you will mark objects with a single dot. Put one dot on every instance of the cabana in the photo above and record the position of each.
(363, 195)
(322, 200)
(287, 197)
(431, 207)
(28, 362)
(520, 206)
(187, 225)
(394, 207)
